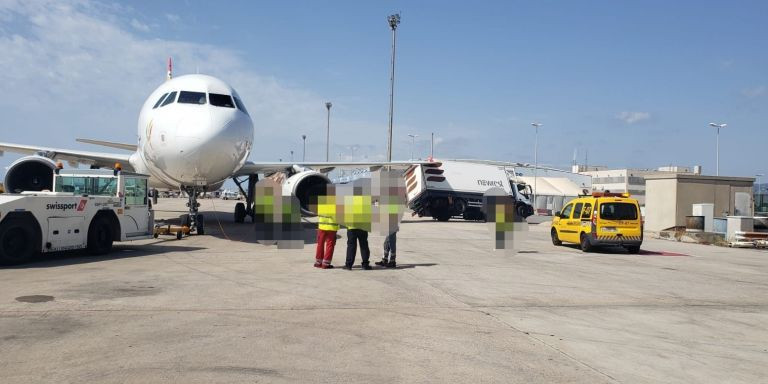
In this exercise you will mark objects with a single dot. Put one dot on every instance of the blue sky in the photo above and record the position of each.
(632, 83)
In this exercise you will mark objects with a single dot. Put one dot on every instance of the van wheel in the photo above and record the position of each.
(633, 249)
(16, 237)
(99, 236)
(585, 244)
(555, 238)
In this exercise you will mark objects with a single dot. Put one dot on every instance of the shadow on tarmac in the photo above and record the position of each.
(119, 251)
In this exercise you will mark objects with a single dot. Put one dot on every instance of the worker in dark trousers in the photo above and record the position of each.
(390, 249)
(357, 217)
(390, 186)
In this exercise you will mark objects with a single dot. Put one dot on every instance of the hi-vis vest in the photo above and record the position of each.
(326, 214)
(357, 212)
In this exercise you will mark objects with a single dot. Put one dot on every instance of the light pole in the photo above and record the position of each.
(535, 164)
(393, 20)
(717, 150)
(328, 106)
(432, 147)
(304, 151)
(291, 156)
(413, 142)
(759, 175)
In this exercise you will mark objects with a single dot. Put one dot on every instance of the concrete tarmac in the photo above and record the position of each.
(221, 308)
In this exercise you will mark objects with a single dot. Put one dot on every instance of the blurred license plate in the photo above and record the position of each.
(609, 229)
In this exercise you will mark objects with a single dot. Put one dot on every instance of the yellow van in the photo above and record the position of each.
(600, 219)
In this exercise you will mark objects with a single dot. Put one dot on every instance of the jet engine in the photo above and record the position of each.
(30, 173)
(302, 185)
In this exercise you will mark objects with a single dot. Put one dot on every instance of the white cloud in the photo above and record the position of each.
(77, 70)
(139, 26)
(633, 117)
(754, 92)
(172, 18)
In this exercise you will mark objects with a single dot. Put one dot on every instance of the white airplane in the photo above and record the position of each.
(193, 134)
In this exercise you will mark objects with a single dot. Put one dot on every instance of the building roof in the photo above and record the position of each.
(691, 177)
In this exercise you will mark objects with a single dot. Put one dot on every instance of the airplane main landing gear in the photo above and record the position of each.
(246, 209)
(194, 220)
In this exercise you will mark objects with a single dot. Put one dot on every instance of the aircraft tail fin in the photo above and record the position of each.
(127, 147)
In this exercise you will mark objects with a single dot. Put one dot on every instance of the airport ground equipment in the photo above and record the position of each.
(171, 230)
(454, 188)
(599, 219)
(86, 209)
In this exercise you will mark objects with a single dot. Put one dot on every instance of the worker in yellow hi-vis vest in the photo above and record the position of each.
(357, 219)
(327, 226)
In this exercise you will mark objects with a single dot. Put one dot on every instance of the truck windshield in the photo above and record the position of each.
(81, 185)
(618, 211)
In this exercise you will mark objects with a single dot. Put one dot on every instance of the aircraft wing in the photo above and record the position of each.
(504, 164)
(251, 167)
(99, 159)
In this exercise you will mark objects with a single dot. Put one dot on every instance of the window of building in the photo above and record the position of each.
(171, 98)
(160, 100)
(187, 97)
(220, 100)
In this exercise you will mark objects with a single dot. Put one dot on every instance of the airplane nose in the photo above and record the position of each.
(217, 144)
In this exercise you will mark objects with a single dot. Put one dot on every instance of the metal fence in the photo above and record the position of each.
(761, 202)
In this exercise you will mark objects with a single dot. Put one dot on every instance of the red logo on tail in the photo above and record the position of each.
(81, 206)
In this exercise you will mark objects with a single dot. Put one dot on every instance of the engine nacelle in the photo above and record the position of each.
(302, 185)
(30, 173)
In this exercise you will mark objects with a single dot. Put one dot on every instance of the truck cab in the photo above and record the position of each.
(86, 209)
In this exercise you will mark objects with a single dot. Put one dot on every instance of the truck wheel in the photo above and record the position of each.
(239, 212)
(555, 238)
(524, 210)
(585, 244)
(99, 236)
(442, 216)
(200, 224)
(16, 238)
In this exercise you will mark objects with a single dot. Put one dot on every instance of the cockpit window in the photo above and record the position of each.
(170, 99)
(160, 100)
(186, 97)
(240, 105)
(221, 100)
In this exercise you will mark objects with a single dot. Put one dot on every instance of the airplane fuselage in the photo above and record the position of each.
(193, 130)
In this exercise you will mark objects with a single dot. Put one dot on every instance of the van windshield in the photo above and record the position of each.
(618, 211)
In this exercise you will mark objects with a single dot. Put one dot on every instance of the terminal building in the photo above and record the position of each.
(629, 180)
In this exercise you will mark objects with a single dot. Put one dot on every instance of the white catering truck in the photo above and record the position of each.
(455, 188)
(86, 209)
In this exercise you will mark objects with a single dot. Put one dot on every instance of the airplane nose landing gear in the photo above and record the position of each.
(194, 220)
